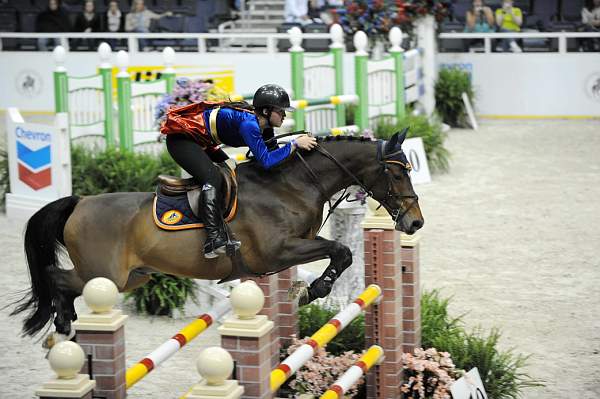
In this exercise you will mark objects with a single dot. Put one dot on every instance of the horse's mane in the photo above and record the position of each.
(320, 139)
(342, 138)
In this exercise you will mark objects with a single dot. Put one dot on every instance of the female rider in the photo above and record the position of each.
(235, 125)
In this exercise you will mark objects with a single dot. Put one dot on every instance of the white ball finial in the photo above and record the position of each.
(337, 35)
(168, 55)
(104, 52)
(360, 42)
(396, 38)
(66, 359)
(215, 364)
(122, 59)
(59, 54)
(295, 38)
(247, 299)
(100, 294)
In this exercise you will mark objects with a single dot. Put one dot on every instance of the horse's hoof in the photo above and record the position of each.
(304, 299)
(55, 337)
(299, 291)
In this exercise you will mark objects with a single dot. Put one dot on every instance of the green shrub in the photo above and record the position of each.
(352, 338)
(429, 131)
(501, 371)
(435, 320)
(112, 171)
(451, 83)
(163, 294)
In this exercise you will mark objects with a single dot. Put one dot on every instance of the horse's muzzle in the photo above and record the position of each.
(411, 227)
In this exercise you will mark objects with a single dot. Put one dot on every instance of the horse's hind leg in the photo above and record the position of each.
(68, 287)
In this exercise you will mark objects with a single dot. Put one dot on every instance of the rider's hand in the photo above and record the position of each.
(306, 142)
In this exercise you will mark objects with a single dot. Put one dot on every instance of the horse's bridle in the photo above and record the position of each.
(384, 160)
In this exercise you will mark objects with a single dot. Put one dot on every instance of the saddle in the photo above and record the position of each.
(176, 202)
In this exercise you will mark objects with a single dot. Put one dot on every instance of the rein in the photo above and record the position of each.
(383, 159)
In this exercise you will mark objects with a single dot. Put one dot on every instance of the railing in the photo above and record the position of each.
(270, 39)
(488, 37)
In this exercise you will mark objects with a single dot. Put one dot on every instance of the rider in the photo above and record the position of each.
(234, 124)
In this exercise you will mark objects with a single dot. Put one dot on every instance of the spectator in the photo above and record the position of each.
(590, 14)
(53, 19)
(114, 18)
(88, 20)
(139, 19)
(590, 19)
(113, 22)
(296, 11)
(509, 19)
(480, 18)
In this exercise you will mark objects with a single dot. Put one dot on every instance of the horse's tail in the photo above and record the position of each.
(43, 239)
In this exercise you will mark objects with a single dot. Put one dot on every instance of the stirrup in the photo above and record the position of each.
(213, 251)
(230, 248)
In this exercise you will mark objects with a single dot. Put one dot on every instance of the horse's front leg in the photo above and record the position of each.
(298, 251)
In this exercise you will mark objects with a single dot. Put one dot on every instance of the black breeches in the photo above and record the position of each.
(193, 159)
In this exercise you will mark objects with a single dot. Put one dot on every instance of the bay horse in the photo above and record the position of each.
(279, 214)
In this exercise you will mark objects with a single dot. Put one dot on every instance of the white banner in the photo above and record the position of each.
(38, 162)
(415, 153)
(469, 386)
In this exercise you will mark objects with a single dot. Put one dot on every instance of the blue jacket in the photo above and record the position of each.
(238, 129)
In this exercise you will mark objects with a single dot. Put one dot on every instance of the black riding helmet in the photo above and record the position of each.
(272, 96)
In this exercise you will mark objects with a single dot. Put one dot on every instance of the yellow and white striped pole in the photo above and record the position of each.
(170, 347)
(370, 358)
(322, 337)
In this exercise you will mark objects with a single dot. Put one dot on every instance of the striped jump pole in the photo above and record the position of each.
(370, 358)
(170, 347)
(322, 337)
(335, 100)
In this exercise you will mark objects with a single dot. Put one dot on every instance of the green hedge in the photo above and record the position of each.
(430, 132)
(501, 370)
(110, 170)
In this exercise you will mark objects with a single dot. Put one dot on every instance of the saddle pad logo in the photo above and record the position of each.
(171, 217)
(34, 158)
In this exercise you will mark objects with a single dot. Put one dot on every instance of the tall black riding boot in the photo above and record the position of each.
(214, 225)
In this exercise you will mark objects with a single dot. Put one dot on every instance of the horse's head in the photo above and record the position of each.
(392, 187)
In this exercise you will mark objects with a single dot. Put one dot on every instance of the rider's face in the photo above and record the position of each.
(277, 117)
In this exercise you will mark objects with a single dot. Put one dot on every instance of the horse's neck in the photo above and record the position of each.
(354, 155)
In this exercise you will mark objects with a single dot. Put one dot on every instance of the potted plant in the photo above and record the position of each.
(450, 85)
(163, 294)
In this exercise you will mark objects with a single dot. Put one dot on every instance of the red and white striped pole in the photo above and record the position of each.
(322, 337)
(170, 347)
(370, 358)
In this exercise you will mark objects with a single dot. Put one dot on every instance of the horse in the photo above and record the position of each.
(279, 214)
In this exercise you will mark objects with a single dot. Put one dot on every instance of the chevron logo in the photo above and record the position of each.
(34, 166)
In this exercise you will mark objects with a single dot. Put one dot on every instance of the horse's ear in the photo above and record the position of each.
(390, 147)
(402, 135)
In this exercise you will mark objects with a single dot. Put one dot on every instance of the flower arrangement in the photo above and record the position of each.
(187, 91)
(377, 17)
(428, 374)
(319, 373)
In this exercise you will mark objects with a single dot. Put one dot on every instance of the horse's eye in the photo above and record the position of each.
(397, 177)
